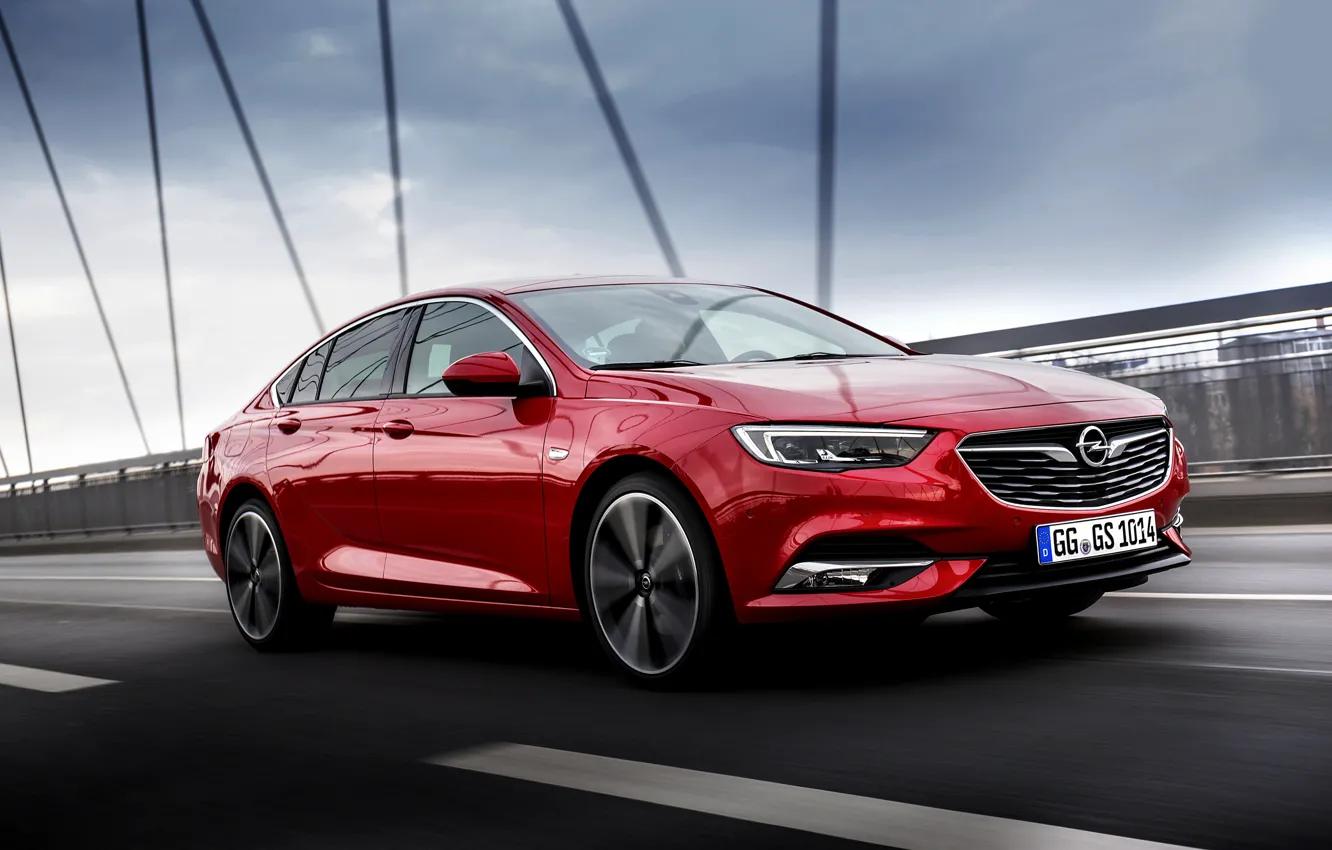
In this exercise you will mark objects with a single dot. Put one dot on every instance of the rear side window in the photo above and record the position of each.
(360, 358)
(307, 384)
(450, 331)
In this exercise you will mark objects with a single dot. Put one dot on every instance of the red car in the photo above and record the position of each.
(662, 457)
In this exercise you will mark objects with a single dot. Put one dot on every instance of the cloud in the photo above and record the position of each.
(999, 163)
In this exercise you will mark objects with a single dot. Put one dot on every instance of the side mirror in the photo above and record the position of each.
(492, 373)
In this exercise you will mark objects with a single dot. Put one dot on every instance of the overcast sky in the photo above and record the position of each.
(1001, 162)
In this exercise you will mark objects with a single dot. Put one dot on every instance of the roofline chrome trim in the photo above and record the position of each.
(522, 337)
(1165, 481)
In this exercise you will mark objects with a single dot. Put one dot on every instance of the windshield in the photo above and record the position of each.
(669, 324)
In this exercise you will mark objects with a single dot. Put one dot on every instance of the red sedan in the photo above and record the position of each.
(662, 458)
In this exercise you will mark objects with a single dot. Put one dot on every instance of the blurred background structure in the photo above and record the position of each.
(245, 176)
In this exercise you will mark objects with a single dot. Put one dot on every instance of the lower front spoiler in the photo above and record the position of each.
(958, 582)
(1015, 576)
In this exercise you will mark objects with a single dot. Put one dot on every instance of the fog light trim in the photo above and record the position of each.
(839, 575)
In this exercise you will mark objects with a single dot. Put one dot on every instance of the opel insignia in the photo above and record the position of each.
(663, 458)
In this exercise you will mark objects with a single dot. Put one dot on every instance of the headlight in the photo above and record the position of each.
(832, 448)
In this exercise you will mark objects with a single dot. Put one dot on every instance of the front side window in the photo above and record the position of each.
(307, 384)
(450, 331)
(359, 359)
(679, 324)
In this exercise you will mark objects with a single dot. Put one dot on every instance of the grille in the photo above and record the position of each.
(862, 546)
(1043, 467)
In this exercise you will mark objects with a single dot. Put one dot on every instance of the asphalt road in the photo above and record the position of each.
(1200, 717)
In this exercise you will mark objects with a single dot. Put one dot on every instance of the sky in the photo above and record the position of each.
(1000, 163)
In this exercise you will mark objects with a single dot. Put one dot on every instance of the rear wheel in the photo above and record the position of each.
(1048, 608)
(653, 584)
(265, 602)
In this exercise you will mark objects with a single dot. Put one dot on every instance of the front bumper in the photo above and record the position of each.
(767, 520)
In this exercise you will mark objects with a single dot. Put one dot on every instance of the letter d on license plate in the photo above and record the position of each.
(1095, 538)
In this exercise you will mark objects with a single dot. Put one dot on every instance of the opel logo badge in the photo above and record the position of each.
(1093, 446)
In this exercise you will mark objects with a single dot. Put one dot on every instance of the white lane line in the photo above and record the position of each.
(1200, 665)
(865, 819)
(1255, 530)
(108, 578)
(47, 681)
(347, 614)
(1228, 597)
(174, 608)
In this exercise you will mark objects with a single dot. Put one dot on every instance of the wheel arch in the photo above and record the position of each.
(604, 476)
(238, 494)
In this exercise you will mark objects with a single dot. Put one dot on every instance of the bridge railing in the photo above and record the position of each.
(132, 496)
(1250, 397)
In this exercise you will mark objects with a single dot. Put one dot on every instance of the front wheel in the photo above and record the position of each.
(652, 580)
(265, 602)
(1043, 609)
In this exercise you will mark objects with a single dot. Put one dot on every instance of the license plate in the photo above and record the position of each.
(1094, 538)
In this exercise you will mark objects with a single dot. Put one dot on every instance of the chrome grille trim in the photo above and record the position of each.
(1041, 469)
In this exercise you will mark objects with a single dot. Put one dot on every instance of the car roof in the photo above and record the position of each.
(532, 284)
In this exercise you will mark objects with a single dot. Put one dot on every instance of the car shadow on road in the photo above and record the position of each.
(853, 655)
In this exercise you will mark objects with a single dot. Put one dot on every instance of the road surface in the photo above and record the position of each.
(1194, 712)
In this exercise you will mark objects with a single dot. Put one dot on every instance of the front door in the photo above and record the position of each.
(458, 480)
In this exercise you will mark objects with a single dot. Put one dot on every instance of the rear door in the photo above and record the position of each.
(320, 459)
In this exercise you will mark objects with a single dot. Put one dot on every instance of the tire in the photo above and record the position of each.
(265, 603)
(1044, 609)
(653, 587)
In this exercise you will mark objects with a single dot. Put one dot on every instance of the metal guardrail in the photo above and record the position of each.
(155, 494)
(1244, 375)
(1261, 466)
(132, 496)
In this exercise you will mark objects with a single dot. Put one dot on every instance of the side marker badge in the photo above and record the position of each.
(557, 454)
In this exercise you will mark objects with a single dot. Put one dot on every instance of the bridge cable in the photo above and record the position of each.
(395, 161)
(13, 350)
(620, 134)
(73, 230)
(142, 16)
(234, 99)
(827, 147)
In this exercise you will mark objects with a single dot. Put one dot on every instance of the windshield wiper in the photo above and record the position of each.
(821, 355)
(648, 364)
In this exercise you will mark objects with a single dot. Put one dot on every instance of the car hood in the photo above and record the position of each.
(885, 389)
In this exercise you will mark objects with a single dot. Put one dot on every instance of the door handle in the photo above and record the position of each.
(397, 428)
(289, 426)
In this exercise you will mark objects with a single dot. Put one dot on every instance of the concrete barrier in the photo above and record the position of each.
(1230, 501)
(1260, 500)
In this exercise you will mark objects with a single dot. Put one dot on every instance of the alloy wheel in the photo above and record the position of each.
(644, 583)
(254, 575)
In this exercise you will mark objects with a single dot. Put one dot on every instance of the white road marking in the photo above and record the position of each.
(343, 614)
(47, 681)
(174, 608)
(4, 577)
(1248, 668)
(1228, 597)
(865, 819)
(1255, 530)
(1200, 665)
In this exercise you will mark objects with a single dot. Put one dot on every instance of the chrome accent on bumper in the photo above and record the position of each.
(797, 573)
